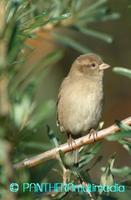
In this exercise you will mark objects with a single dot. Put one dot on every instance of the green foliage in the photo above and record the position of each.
(107, 177)
(122, 71)
(125, 134)
(80, 18)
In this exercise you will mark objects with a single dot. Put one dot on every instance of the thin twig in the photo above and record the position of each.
(53, 153)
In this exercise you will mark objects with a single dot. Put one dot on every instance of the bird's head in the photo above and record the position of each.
(89, 65)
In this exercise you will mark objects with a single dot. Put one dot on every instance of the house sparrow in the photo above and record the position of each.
(80, 96)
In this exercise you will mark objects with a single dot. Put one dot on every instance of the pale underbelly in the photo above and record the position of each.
(82, 115)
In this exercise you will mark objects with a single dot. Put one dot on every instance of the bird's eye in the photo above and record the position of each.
(93, 65)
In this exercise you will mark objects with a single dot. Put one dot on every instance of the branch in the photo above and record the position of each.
(53, 153)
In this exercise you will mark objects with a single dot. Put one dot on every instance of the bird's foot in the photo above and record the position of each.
(94, 133)
(71, 142)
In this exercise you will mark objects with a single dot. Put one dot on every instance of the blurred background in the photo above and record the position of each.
(42, 40)
(117, 91)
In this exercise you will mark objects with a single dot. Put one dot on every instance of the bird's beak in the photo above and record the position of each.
(104, 66)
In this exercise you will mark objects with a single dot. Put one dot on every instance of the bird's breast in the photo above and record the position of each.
(80, 107)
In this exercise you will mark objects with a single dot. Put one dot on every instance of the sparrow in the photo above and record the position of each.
(80, 98)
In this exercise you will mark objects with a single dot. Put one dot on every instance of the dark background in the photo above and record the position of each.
(117, 88)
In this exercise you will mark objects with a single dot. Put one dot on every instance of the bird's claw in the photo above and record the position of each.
(94, 133)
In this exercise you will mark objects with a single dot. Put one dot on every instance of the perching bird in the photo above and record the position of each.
(80, 96)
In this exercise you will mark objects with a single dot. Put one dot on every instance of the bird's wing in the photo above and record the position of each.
(57, 119)
(58, 100)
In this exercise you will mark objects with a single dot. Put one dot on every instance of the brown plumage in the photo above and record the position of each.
(81, 95)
